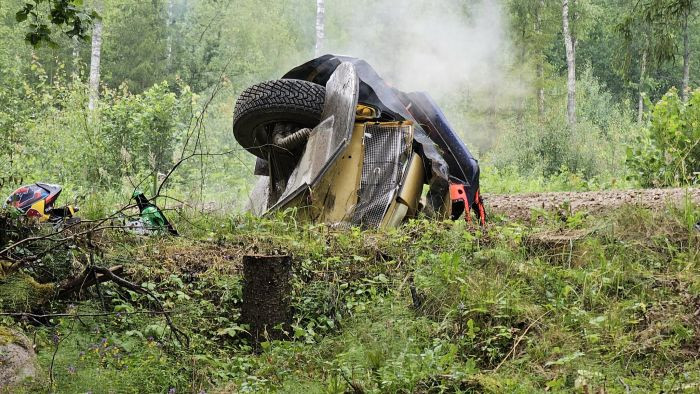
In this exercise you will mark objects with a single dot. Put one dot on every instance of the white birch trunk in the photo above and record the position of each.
(76, 56)
(642, 74)
(570, 64)
(95, 54)
(169, 24)
(320, 26)
(686, 59)
(540, 66)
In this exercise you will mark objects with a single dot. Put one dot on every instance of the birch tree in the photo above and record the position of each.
(570, 45)
(95, 55)
(686, 11)
(320, 26)
(539, 68)
(169, 25)
(642, 75)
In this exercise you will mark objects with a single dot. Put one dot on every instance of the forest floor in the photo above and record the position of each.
(552, 300)
(521, 206)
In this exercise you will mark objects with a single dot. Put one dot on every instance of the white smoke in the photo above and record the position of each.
(459, 51)
(438, 46)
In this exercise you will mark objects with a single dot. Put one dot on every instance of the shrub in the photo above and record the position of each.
(140, 131)
(546, 150)
(668, 153)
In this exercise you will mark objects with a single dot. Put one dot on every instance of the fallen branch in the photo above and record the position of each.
(88, 278)
(141, 290)
(93, 275)
(79, 315)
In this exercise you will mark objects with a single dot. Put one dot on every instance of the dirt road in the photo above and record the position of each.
(518, 206)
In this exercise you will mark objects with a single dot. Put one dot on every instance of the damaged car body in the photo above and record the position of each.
(339, 145)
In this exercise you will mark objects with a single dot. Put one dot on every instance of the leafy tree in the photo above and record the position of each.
(534, 26)
(44, 17)
(650, 40)
(671, 13)
(140, 132)
(669, 153)
(135, 44)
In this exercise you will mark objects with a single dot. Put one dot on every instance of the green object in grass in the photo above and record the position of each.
(151, 215)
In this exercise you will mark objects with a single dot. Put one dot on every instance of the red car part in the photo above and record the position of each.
(460, 203)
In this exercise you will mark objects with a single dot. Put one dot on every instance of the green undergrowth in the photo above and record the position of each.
(429, 307)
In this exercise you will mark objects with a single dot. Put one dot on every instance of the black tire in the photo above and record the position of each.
(259, 107)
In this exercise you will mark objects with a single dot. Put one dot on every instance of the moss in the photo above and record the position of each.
(6, 336)
(19, 292)
(9, 336)
(4, 265)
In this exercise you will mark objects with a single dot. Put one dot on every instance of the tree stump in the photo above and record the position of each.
(266, 296)
(561, 248)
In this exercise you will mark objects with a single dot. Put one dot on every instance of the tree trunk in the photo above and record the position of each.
(520, 111)
(540, 89)
(642, 73)
(169, 24)
(320, 26)
(267, 293)
(76, 57)
(539, 70)
(570, 64)
(96, 53)
(686, 59)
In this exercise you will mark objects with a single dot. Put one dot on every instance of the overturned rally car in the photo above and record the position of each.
(337, 143)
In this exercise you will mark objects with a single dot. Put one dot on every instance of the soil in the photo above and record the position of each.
(519, 206)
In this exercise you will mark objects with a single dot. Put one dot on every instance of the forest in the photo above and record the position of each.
(584, 116)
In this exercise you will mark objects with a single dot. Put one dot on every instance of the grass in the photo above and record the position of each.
(429, 307)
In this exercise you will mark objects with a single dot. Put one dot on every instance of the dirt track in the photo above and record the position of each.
(518, 206)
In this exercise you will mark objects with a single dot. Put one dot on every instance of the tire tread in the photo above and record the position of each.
(280, 95)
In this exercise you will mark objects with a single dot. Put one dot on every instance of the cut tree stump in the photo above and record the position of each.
(562, 248)
(266, 296)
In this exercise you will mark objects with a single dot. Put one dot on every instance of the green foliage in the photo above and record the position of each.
(203, 47)
(20, 292)
(668, 154)
(132, 135)
(46, 15)
(138, 133)
(137, 45)
(428, 307)
(548, 151)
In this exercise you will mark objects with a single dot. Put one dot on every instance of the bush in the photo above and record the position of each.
(48, 134)
(668, 153)
(546, 150)
(140, 131)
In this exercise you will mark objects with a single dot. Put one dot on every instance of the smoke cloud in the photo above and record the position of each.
(454, 50)
(425, 45)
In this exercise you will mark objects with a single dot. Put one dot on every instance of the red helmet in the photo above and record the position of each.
(26, 196)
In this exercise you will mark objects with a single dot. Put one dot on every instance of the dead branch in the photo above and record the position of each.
(86, 279)
(141, 290)
(79, 315)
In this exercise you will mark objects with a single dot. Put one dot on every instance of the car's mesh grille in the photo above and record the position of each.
(386, 153)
